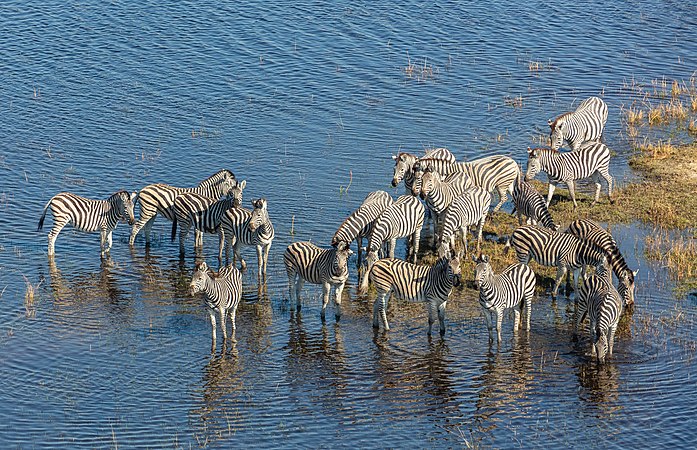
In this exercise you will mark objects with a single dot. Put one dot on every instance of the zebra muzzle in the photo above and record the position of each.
(394, 182)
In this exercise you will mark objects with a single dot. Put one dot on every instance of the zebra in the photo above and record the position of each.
(241, 226)
(88, 215)
(159, 198)
(305, 261)
(412, 282)
(491, 173)
(576, 127)
(588, 229)
(404, 218)
(439, 192)
(469, 208)
(599, 299)
(528, 202)
(513, 288)
(360, 223)
(551, 248)
(223, 291)
(590, 161)
(404, 163)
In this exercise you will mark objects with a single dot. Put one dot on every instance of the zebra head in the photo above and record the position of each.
(371, 257)
(534, 164)
(626, 286)
(482, 271)
(260, 214)
(343, 252)
(418, 173)
(123, 202)
(236, 193)
(454, 267)
(429, 181)
(556, 133)
(403, 164)
(198, 281)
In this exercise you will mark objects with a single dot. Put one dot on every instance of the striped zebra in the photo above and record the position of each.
(590, 161)
(512, 289)
(360, 223)
(88, 215)
(404, 163)
(241, 226)
(528, 202)
(590, 230)
(404, 218)
(202, 213)
(576, 127)
(551, 248)
(305, 261)
(416, 283)
(469, 208)
(439, 192)
(159, 198)
(599, 299)
(496, 172)
(222, 290)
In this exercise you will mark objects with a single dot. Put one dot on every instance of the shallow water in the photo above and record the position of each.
(306, 102)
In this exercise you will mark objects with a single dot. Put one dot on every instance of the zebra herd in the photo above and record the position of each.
(458, 197)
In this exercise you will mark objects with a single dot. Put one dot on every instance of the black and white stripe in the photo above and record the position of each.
(305, 261)
(159, 198)
(222, 290)
(203, 213)
(586, 123)
(592, 160)
(417, 283)
(440, 191)
(513, 288)
(244, 227)
(551, 248)
(404, 163)
(88, 215)
(468, 209)
(531, 204)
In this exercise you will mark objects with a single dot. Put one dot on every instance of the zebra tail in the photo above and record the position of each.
(174, 227)
(43, 216)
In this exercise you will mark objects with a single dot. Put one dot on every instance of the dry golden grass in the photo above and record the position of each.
(692, 127)
(634, 116)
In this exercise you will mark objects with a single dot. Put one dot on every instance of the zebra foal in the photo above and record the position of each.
(222, 291)
(586, 123)
(513, 288)
(417, 283)
(88, 215)
(304, 261)
(468, 209)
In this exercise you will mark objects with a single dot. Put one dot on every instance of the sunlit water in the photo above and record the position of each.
(307, 102)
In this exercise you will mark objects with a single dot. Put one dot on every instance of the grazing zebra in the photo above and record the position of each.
(404, 163)
(241, 226)
(360, 223)
(88, 215)
(599, 299)
(528, 202)
(551, 248)
(159, 198)
(576, 127)
(417, 283)
(223, 291)
(512, 289)
(203, 213)
(439, 192)
(305, 261)
(587, 229)
(469, 208)
(496, 172)
(590, 161)
(404, 218)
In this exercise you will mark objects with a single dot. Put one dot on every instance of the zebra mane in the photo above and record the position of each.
(553, 122)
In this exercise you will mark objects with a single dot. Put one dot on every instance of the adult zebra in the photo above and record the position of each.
(493, 173)
(551, 248)
(360, 223)
(592, 160)
(416, 283)
(404, 163)
(590, 230)
(159, 198)
(305, 261)
(88, 215)
(513, 288)
(469, 208)
(223, 291)
(586, 123)
(240, 226)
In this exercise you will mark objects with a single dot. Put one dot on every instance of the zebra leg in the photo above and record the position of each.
(596, 179)
(488, 317)
(606, 174)
(53, 234)
(214, 326)
(222, 313)
(516, 320)
(337, 300)
(260, 261)
(145, 219)
(594, 337)
(299, 282)
(109, 241)
(359, 242)
(183, 232)
(415, 239)
(392, 245)
(499, 320)
(503, 196)
(441, 317)
(480, 231)
(221, 244)
(550, 192)
(528, 307)
(198, 238)
(378, 307)
(148, 229)
(561, 271)
(326, 287)
(611, 339)
(243, 263)
(431, 315)
(233, 314)
(266, 258)
(572, 192)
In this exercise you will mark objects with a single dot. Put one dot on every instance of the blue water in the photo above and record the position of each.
(307, 102)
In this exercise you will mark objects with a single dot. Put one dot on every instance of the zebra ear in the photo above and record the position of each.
(242, 184)
(485, 258)
(134, 195)
(550, 122)
(635, 272)
(394, 157)
(530, 151)
(203, 267)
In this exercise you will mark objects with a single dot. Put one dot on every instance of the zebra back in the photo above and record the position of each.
(88, 214)
(221, 289)
(203, 213)
(506, 289)
(358, 222)
(416, 282)
(401, 219)
(586, 123)
(467, 209)
(551, 248)
(317, 265)
(568, 166)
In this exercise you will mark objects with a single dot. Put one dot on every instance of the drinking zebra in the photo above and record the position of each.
(159, 198)
(360, 223)
(88, 215)
(528, 202)
(404, 218)
(241, 226)
(305, 261)
(512, 289)
(576, 127)
(592, 160)
(404, 163)
(439, 192)
(417, 283)
(469, 208)
(589, 230)
(222, 290)
(551, 248)
(496, 172)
